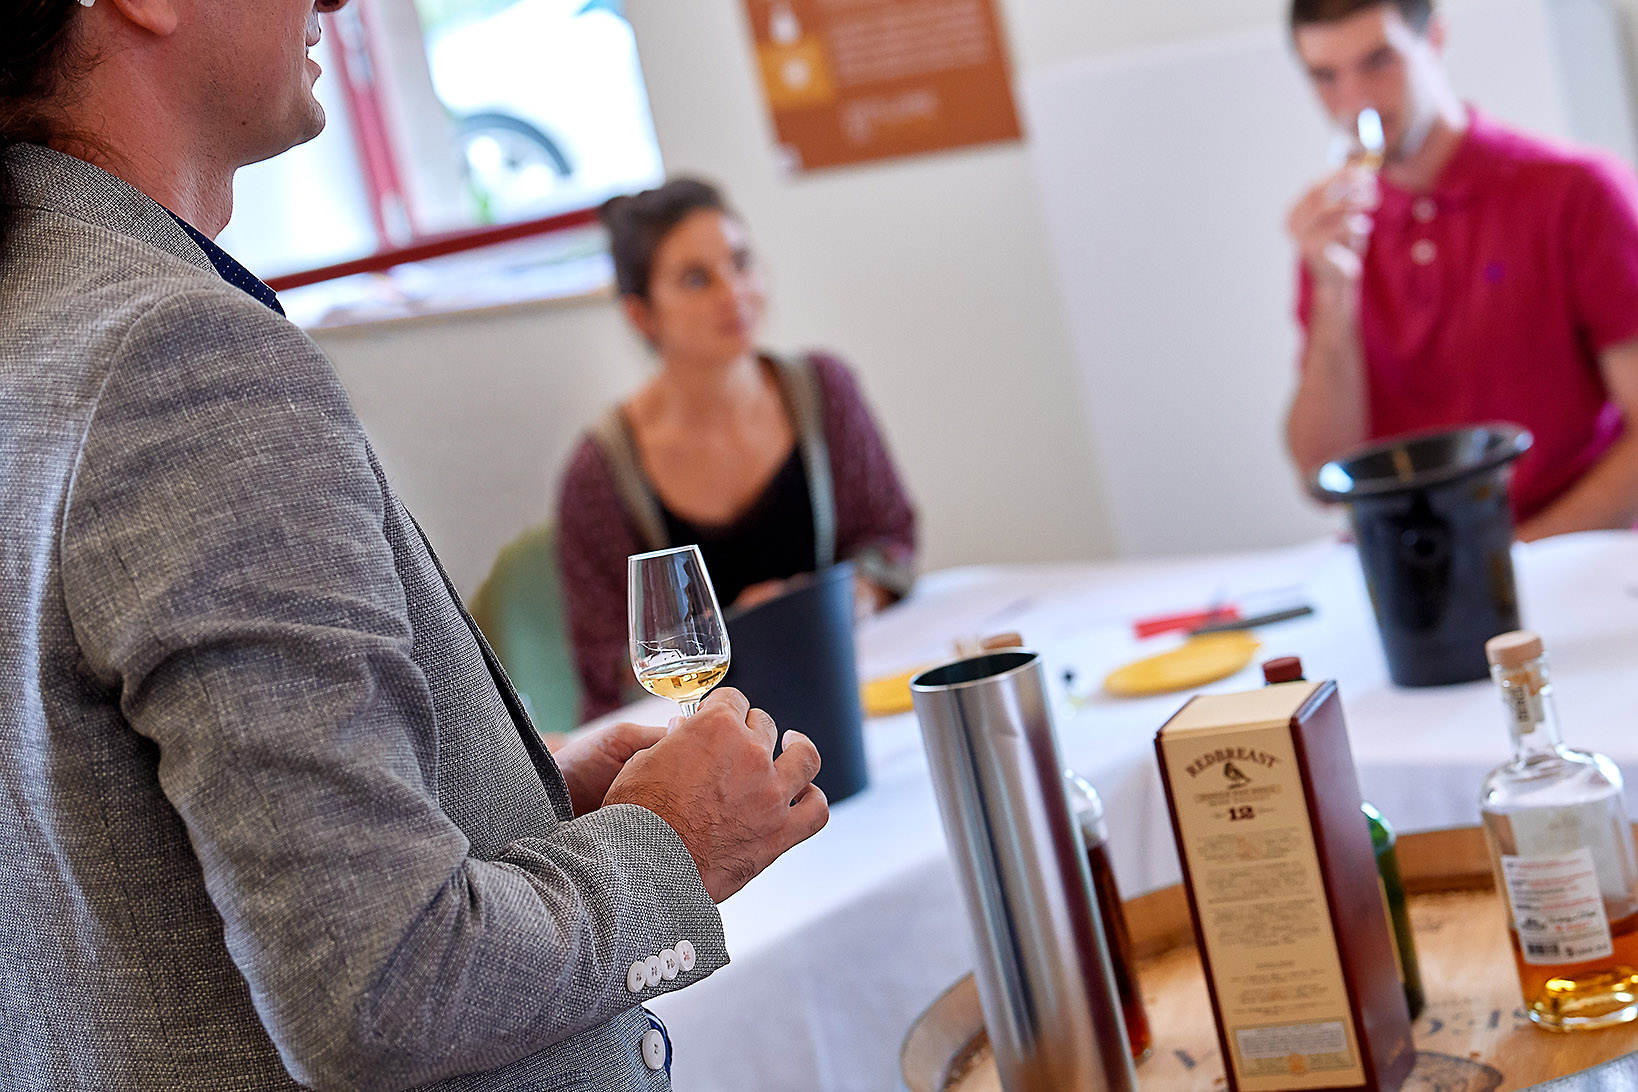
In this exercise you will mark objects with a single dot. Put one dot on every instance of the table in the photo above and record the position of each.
(842, 942)
(1472, 1036)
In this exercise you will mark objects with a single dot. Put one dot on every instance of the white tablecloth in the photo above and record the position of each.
(847, 938)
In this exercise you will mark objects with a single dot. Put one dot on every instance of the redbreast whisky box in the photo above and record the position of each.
(1282, 884)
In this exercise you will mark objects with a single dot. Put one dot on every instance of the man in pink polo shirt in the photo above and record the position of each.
(1482, 275)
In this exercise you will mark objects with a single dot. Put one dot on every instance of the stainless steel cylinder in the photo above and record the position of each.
(1042, 964)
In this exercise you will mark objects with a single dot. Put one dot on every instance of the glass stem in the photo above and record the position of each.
(689, 707)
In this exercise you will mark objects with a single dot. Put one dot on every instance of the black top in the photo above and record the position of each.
(771, 541)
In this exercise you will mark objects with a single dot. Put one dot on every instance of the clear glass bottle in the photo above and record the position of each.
(1562, 852)
(1289, 669)
(1088, 812)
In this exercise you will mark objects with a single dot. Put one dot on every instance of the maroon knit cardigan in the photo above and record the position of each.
(875, 528)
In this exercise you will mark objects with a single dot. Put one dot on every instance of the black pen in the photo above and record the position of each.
(1254, 620)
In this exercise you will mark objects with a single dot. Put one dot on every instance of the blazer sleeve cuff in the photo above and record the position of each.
(675, 914)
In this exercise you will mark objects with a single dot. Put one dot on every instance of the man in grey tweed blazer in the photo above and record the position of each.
(272, 816)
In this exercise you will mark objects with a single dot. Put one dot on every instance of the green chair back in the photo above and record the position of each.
(520, 609)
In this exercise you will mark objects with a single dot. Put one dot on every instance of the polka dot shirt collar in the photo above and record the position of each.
(229, 268)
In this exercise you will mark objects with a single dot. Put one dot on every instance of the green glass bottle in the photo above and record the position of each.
(1393, 895)
(1289, 669)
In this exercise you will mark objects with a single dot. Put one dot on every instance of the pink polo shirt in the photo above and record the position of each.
(1490, 297)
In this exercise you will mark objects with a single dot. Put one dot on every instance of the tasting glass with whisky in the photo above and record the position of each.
(679, 642)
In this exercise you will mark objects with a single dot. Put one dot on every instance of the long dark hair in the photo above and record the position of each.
(639, 223)
(36, 41)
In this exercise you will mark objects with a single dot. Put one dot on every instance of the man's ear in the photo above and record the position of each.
(157, 17)
(1435, 33)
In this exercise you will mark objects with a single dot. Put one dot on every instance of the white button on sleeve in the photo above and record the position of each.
(637, 977)
(653, 1049)
(669, 964)
(652, 973)
(685, 955)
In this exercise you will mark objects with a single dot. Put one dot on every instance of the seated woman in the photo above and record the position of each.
(774, 467)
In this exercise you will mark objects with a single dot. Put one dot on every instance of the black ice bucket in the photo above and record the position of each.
(1435, 533)
(793, 656)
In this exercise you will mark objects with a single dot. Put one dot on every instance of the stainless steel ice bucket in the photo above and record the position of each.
(1042, 964)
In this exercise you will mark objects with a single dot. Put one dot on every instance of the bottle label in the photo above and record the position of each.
(1249, 846)
(1596, 825)
(1524, 705)
(1280, 1043)
(1558, 911)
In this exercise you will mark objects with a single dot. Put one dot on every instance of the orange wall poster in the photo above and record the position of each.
(854, 80)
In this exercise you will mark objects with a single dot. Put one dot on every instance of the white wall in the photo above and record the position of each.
(1167, 173)
(933, 275)
(473, 415)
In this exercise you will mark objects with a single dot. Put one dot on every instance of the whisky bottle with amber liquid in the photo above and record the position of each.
(1563, 856)
(1088, 812)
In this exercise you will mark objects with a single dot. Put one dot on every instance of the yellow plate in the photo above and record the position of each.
(888, 695)
(1200, 660)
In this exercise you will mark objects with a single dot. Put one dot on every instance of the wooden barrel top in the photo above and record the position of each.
(1473, 1035)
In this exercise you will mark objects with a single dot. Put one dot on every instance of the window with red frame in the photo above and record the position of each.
(452, 125)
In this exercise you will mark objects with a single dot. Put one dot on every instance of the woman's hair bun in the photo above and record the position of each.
(638, 223)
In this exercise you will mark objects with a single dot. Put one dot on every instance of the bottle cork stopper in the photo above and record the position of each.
(1512, 649)
(1282, 669)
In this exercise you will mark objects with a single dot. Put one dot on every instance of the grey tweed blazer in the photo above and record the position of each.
(267, 821)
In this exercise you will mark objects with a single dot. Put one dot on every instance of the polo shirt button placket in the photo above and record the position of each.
(1424, 210)
(1423, 251)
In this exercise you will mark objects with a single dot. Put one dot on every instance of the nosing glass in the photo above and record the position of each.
(662, 553)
